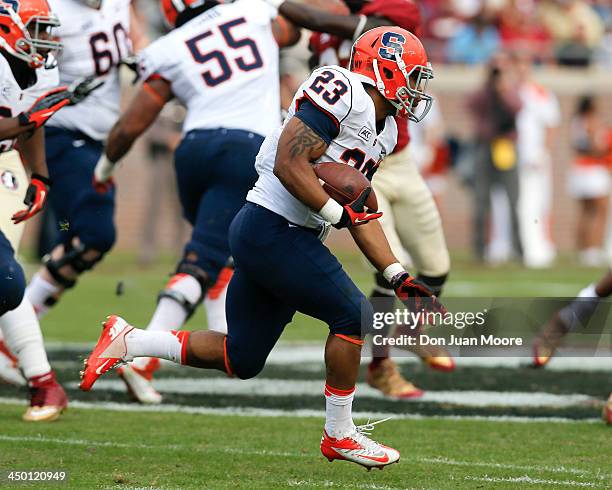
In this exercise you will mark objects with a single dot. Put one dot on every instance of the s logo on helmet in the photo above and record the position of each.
(6, 3)
(392, 43)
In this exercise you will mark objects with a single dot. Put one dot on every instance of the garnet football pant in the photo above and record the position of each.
(410, 218)
(280, 269)
(13, 185)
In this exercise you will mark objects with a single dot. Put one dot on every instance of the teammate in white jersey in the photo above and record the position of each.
(27, 101)
(221, 62)
(96, 36)
(282, 266)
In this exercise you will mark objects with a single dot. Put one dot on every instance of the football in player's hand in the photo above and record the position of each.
(344, 183)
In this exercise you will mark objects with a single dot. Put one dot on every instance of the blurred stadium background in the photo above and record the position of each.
(569, 43)
(569, 47)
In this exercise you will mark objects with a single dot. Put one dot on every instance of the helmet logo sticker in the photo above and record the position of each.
(392, 44)
(14, 4)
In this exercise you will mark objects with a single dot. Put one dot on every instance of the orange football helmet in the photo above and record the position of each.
(25, 31)
(173, 8)
(394, 61)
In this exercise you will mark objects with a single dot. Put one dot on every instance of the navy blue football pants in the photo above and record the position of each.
(214, 170)
(281, 269)
(80, 211)
(12, 279)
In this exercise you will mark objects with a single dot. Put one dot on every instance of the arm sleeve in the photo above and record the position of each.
(319, 121)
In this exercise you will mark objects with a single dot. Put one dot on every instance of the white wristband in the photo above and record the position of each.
(331, 211)
(104, 169)
(393, 270)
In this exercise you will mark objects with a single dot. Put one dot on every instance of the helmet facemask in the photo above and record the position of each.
(411, 96)
(36, 47)
(414, 94)
(39, 44)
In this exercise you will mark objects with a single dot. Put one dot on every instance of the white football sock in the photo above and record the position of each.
(215, 312)
(338, 412)
(215, 301)
(588, 292)
(170, 314)
(39, 291)
(163, 345)
(23, 337)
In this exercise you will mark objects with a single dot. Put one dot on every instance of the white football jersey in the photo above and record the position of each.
(223, 67)
(94, 43)
(14, 99)
(341, 94)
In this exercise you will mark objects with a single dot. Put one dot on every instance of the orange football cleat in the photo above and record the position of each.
(110, 351)
(358, 448)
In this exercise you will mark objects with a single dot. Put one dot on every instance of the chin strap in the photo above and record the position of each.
(380, 85)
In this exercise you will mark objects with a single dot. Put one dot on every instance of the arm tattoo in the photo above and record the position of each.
(305, 141)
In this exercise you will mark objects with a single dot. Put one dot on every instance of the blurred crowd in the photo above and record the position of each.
(507, 165)
(565, 32)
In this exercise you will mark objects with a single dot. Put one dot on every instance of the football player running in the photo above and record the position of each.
(27, 101)
(96, 38)
(221, 62)
(411, 221)
(338, 115)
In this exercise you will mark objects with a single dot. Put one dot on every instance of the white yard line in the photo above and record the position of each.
(251, 452)
(272, 412)
(527, 480)
(509, 466)
(293, 388)
(294, 354)
(169, 447)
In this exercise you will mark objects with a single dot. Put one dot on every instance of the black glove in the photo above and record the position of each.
(415, 294)
(35, 198)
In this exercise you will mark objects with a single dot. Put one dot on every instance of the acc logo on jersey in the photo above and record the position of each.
(5, 3)
(365, 134)
(9, 180)
(392, 44)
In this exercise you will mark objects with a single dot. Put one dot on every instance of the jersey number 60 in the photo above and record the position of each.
(232, 42)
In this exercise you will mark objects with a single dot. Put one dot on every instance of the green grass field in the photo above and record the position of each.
(480, 427)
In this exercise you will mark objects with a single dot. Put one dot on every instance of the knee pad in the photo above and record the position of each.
(73, 257)
(434, 283)
(174, 293)
(12, 286)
